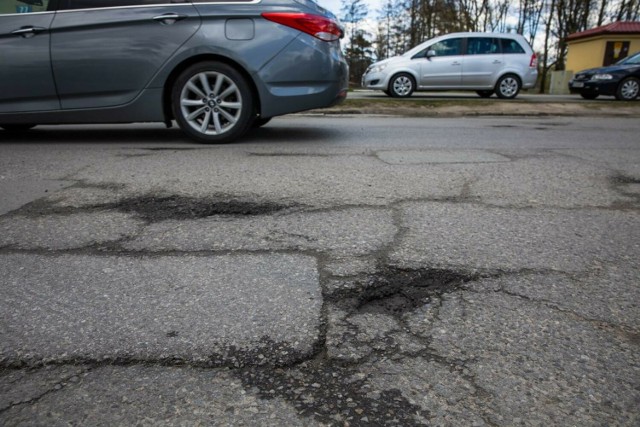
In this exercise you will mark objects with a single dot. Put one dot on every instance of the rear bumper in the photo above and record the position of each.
(307, 74)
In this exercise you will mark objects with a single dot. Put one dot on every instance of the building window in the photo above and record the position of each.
(614, 52)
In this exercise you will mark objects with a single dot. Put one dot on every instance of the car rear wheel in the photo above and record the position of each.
(589, 95)
(628, 89)
(13, 127)
(212, 102)
(402, 85)
(508, 86)
(484, 93)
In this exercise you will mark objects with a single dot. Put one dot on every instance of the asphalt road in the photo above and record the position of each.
(351, 270)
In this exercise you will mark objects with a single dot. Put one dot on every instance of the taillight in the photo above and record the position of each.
(534, 61)
(318, 26)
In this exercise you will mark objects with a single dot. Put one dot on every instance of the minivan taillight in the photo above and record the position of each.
(534, 61)
(318, 26)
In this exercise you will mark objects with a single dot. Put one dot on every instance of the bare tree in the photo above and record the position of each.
(529, 14)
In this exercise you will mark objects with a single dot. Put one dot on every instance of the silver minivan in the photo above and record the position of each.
(487, 63)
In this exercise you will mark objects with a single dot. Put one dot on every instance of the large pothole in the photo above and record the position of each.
(155, 209)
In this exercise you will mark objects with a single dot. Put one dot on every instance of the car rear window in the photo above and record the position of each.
(511, 46)
(29, 6)
(93, 4)
(482, 46)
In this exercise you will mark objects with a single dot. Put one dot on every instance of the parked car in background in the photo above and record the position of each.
(215, 67)
(621, 80)
(487, 63)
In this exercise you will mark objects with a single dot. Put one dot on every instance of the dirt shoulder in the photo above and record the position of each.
(482, 107)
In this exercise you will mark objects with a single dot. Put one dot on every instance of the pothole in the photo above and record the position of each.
(334, 395)
(159, 208)
(179, 208)
(395, 292)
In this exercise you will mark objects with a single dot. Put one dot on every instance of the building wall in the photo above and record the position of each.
(589, 52)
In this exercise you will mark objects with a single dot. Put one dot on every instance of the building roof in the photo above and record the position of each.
(620, 27)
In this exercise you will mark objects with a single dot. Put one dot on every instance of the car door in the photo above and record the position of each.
(444, 70)
(104, 52)
(482, 62)
(26, 82)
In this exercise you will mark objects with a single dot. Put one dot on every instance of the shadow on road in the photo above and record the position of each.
(157, 134)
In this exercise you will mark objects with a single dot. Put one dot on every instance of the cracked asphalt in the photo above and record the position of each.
(326, 270)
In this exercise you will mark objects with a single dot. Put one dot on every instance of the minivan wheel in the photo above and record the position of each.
(628, 89)
(212, 102)
(401, 85)
(484, 93)
(508, 86)
(14, 127)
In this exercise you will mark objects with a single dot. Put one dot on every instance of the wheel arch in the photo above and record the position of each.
(411, 72)
(178, 69)
(508, 73)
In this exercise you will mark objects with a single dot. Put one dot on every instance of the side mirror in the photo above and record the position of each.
(431, 53)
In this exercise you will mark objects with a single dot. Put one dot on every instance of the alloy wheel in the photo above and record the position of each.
(402, 86)
(629, 89)
(508, 87)
(211, 103)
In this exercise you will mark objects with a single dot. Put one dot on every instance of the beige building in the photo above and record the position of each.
(597, 47)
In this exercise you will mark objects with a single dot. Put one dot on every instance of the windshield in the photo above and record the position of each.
(630, 60)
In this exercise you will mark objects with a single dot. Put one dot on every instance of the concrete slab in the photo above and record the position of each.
(225, 310)
(471, 237)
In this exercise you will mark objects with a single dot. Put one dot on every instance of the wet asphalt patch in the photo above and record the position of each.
(155, 209)
(335, 395)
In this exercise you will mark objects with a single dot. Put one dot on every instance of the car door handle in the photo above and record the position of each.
(497, 61)
(27, 32)
(169, 18)
(455, 63)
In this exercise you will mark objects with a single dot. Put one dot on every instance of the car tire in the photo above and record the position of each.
(14, 127)
(628, 89)
(508, 86)
(484, 93)
(212, 103)
(589, 96)
(402, 85)
(386, 92)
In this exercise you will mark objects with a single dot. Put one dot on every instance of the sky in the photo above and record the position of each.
(335, 6)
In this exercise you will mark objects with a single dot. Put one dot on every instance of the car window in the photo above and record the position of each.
(24, 6)
(634, 59)
(447, 47)
(511, 46)
(482, 46)
(93, 4)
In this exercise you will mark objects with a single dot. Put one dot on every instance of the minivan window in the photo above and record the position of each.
(511, 46)
(26, 6)
(93, 4)
(482, 46)
(448, 47)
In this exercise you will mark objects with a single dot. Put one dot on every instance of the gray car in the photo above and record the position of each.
(486, 63)
(215, 67)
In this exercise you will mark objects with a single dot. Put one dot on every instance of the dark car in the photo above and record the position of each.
(215, 67)
(621, 80)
